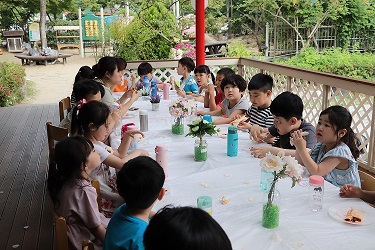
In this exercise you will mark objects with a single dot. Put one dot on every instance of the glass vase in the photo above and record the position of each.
(155, 106)
(178, 125)
(200, 150)
(271, 207)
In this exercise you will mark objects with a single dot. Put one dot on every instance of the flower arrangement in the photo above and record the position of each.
(180, 109)
(145, 91)
(155, 98)
(182, 50)
(200, 127)
(281, 166)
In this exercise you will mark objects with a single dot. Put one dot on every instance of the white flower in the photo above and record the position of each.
(292, 168)
(271, 163)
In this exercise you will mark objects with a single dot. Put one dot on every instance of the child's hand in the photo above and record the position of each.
(244, 125)
(141, 152)
(257, 133)
(297, 139)
(131, 133)
(258, 152)
(350, 191)
(135, 95)
(201, 112)
(181, 92)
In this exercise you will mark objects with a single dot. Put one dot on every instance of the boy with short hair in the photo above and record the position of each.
(140, 184)
(260, 91)
(287, 109)
(234, 103)
(187, 84)
(145, 69)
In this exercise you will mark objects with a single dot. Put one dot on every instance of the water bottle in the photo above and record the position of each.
(316, 191)
(165, 91)
(146, 81)
(207, 118)
(154, 89)
(161, 156)
(134, 141)
(232, 141)
(143, 120)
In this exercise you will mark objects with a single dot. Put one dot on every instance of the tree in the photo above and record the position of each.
(42, 24)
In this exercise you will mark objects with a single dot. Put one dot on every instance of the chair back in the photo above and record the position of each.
(54, 134)
(367, 181)
(96, 185)
(61, 236)
(64, 104)
(88, 245)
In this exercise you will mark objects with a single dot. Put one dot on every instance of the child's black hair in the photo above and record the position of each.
(235, 80)
(70, 153)
(261, 82)
(225, 71)
(139, 182)
(84, 87)
(121, 63)
(204, 69)
(340, 118)
(92, 112)
(188, 63)
(144, 68)
(287, 105)
(85, 72)
(184, 228)
(107, 63)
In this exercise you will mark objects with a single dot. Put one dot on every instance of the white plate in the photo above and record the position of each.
(338, 212)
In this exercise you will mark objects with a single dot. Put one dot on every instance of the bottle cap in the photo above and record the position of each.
(143, 112)
(204, 201)
(161, 148)
(316, 180)
(232, 130)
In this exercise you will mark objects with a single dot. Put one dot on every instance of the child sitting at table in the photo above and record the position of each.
(203, 77)
(234, 103)
(140, 182)
(351, 191)
(84, 73)
(211, 100)
(73, 196)
(187, 84)
(334, 156)
(145, 69)
(287, 109)
(185, 228)
(87, 90)
(91, 120)
(260, 91)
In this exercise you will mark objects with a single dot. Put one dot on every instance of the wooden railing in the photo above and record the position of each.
(318, 91)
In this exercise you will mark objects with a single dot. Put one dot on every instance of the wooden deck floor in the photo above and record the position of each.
(25, 207)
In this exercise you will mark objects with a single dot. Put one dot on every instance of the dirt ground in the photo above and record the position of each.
(54, 81)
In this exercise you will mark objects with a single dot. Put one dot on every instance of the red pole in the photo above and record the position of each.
(199, 31)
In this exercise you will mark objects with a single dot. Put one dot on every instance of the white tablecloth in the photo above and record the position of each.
(238, 179)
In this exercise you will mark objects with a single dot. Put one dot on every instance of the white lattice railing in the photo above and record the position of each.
(318, 91)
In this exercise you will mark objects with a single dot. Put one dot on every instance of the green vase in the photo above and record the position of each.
(200, 150)
(178, 126)
(270, 217)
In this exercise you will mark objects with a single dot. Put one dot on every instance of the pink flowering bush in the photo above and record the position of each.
(183, 50)
(12, 84)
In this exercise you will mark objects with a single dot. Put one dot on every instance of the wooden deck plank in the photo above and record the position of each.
(23, 168)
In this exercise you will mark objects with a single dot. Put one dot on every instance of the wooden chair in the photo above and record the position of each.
(88, 245)
(367, 181)
(64, 104)
(54, 133)
(61, 236)
(96, 185)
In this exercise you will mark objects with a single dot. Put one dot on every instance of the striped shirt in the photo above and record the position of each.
(261, 117)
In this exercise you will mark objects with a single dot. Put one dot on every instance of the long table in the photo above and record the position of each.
(237, 178)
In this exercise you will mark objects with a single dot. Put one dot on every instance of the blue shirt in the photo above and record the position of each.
(190, 85)
(124, 231)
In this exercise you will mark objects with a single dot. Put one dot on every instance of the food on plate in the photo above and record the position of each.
(224, 200)
(304, 133)
(239, 120)
(354, 215)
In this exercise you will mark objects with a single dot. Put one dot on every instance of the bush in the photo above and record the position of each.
(12, 84)
(237, 49)
(335, 61)
(141, 41)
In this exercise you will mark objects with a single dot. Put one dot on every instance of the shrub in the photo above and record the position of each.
(12, 84)
(146, 41)
(236, 48)
(335, 61)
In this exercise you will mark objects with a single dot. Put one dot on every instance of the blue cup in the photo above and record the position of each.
(207, 118)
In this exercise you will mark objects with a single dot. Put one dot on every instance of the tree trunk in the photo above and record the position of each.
(42, 23)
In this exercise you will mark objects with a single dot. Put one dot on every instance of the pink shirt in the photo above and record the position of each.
(79, 207)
